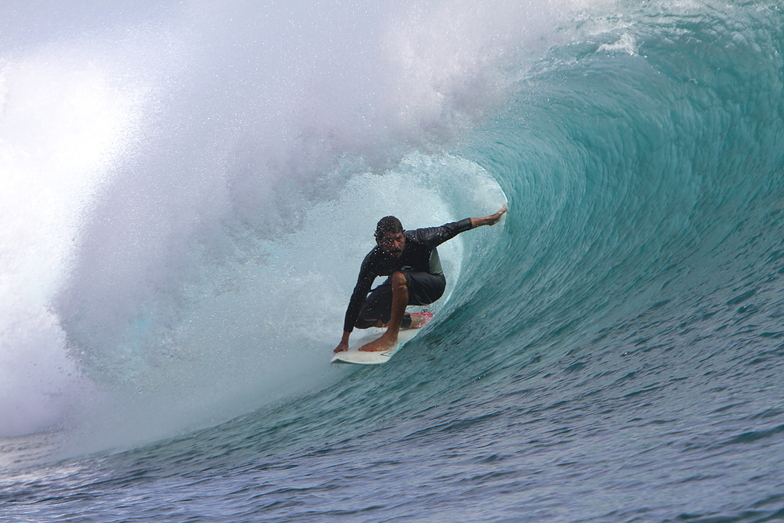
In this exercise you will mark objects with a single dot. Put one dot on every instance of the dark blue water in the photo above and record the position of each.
(611, 352)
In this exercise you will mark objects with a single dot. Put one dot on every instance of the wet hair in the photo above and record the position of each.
(388, 224)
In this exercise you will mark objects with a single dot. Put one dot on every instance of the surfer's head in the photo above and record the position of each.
(390, 236)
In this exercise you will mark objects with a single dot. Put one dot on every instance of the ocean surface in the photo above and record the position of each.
(187, 190)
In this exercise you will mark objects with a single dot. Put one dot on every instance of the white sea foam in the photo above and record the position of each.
(158, 205)
(56, 148)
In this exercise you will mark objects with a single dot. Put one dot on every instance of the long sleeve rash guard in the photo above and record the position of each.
(419, 254)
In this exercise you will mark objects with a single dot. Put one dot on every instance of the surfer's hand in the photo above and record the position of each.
(343, 345)
(489, 220)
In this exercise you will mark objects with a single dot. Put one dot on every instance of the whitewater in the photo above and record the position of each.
(187, 190)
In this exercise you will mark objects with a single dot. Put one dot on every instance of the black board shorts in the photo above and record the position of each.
(423, 289)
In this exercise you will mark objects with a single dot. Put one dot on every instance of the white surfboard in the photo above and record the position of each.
(354, 356)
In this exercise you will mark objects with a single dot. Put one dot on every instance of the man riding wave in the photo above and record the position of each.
(411, 261)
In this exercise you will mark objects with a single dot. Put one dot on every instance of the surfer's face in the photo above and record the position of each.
(393, 243)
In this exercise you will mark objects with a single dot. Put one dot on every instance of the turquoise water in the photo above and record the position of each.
(610, 352)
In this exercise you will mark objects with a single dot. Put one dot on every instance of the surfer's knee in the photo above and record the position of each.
(399, 280)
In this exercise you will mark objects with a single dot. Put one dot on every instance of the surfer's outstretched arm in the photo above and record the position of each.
(488, 220)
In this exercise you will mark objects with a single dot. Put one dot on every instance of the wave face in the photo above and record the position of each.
(188, 211)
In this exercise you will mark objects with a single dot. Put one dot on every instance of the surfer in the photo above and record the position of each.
(411, 261)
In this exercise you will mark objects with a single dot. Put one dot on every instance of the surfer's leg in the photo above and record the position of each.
(423, 289)
(377, 309)
(399, 301)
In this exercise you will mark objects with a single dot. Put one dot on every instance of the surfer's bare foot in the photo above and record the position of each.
(379, 345)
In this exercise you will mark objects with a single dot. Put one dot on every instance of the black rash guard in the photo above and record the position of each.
(419, 254)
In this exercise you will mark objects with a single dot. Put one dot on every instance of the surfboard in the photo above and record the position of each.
(356, 357)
